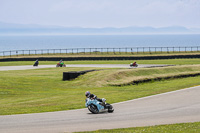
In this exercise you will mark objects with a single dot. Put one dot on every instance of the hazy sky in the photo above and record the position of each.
(102, 13)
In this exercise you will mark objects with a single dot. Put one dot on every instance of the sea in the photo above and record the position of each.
(8, 43)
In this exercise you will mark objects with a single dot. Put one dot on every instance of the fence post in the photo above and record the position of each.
(149, 50)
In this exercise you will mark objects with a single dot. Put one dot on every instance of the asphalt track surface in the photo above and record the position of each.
(7, 68)
(168, 108)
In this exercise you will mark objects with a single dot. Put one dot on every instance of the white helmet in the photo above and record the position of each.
(87, 93)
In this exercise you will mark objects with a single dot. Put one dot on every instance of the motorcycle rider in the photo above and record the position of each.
(92, 96)
(134, 64)
(102, 101)
(36, 63)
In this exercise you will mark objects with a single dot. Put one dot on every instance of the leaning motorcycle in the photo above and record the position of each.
(60, 65)
(95, 107)
(133, 65)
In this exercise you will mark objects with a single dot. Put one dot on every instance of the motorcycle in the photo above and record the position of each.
(95, 107)
(36, 63)
(133, 65)
(60, 65)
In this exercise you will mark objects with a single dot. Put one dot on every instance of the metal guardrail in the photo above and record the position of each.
(125, 50)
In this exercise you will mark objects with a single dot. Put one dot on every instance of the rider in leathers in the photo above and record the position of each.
(92, 96)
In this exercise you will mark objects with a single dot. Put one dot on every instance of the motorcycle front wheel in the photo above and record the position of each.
(93, 109)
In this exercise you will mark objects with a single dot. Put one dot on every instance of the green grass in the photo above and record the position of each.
(118, 77)
(172, 128)
(170, 62)
(42, 90)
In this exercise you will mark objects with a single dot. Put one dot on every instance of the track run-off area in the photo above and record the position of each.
(179, 106)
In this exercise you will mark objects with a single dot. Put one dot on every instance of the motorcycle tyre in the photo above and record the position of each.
(133, 66)
(110, 108)
(93, 109)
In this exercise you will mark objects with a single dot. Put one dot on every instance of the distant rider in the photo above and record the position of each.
(135, 64)
(61, 63)
(36, 63)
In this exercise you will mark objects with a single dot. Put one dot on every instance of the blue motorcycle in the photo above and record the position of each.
(95, 107)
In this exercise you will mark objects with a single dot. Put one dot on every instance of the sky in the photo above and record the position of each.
(102, 13)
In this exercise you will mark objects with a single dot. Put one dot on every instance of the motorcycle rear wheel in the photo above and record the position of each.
(110, 108)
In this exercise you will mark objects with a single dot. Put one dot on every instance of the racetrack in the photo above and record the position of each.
(168, 108)
(7, 68)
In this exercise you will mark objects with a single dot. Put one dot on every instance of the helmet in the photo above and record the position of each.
(87, 93)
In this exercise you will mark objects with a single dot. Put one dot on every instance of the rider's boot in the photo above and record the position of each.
(104, 102)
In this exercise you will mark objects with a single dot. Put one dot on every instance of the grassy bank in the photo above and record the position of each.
(169, 62)
(42, 90)
(173, 128)
(129, 76)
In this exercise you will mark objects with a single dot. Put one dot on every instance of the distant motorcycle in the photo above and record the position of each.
(95, 107)
(36, 63)
(133, 65)
(60, 65)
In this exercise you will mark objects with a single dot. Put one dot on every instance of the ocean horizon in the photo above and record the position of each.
(35, 42)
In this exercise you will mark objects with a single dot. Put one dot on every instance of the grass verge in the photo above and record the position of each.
(172, 128)
(169, 62)
(42, 90)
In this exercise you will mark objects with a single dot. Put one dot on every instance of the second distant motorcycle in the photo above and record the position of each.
(60, 65)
